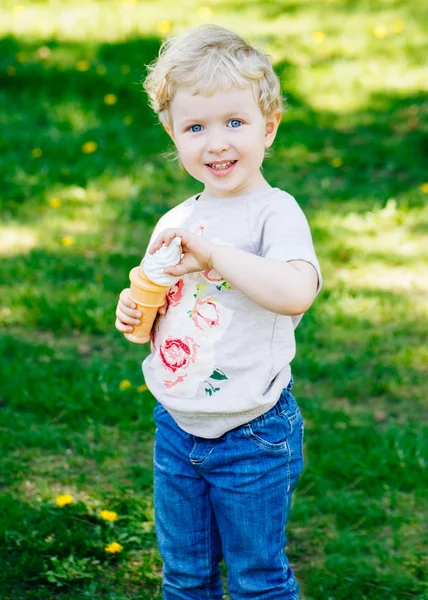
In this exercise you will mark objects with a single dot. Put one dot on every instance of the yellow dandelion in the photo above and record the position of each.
(101, 69)
(129, 3)
(108, 515)
(380, 31)
(110, 99)
(124, 69)
(83, 65)
(142, 388)
(113, 547)
(125, 384)
(127, 120)
(205, 13)
(54, 202)
(164, 26)
(63, 500)
(397, 26)
(11, 71)
(36, 152)
(89, 147)
(67, 240)
(43, 52)
(336, 162)
(424, 188)
(318, 36)
(21, 56)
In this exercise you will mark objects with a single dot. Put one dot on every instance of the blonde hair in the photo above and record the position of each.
(210, 58)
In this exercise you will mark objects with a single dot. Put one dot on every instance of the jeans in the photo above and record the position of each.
(228, 497)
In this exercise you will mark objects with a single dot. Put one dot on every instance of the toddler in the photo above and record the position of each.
(228, 445)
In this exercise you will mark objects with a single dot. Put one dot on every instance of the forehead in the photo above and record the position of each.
(187, 104)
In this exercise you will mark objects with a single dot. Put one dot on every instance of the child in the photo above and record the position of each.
(228, 448)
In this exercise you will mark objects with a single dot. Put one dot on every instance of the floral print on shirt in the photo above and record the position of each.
(183, 341)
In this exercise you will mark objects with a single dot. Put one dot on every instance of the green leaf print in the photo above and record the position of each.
(217, 374)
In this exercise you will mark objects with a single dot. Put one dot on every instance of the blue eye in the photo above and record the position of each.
(197, 130)
(235, 121)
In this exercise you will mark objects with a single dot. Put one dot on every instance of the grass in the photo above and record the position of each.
(76, 217)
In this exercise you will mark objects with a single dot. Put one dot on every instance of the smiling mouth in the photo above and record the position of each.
(221, 166)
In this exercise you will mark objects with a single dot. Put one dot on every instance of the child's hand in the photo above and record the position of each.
(196, 251)
(127, 315)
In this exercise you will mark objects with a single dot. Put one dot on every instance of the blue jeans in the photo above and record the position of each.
(228, 497)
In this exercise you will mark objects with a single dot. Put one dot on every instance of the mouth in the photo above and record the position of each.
(221, 168)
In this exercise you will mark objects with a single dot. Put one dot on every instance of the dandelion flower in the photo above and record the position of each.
(110, 99)
(318, 36)
(11, 71)
(336, 162)
(113, 547)
(54, 202)
(108, 515)
(164, 26)
(68, 240)
(63, 500)
(125, 384)
(83, 65)
(142, 388)
(397, 26)
(424, 188)
(380, 31)
(43, 52)
(36, 152)
(89, 147)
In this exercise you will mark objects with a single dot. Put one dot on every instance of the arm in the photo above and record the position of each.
(286, 288)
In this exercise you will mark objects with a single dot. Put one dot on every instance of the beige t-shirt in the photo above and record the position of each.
(217, 358)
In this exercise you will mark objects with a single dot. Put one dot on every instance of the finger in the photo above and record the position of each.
(165, 237)
(127, 319)
(130, 312)
(122, 327)
(176, 271)
(126, 299)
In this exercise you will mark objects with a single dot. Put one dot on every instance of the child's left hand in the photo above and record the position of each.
(197, 252)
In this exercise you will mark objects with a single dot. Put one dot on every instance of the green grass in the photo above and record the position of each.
(74, 224)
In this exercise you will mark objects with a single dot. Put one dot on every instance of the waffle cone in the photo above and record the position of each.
(148, 297)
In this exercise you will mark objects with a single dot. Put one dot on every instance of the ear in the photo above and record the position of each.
(272, 124)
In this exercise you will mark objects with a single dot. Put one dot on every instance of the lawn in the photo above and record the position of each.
(85, 179)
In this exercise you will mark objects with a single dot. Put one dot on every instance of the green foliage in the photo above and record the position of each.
(84, 181)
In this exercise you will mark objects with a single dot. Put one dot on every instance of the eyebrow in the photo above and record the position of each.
(228, 115)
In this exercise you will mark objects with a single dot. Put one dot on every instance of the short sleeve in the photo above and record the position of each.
(280, 231)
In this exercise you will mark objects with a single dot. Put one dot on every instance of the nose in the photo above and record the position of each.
(217, 142)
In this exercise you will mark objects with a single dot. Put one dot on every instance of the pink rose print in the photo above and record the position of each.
(177, 354)
(205, 311)
(175, 293)
(212, 275)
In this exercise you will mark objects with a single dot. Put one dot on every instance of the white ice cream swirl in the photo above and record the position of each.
(167, 256)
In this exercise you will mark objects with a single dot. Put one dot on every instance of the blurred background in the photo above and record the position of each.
(84, 182)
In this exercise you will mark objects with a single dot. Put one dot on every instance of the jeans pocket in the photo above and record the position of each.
(271, 433)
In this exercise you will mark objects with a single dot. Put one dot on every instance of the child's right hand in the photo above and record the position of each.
(127, 315)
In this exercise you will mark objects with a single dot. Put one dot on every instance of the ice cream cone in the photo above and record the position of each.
(148, 297)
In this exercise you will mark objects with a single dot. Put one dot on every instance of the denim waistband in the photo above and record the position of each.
(284, 402)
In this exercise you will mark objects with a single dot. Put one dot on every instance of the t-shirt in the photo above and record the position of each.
(218, 359)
